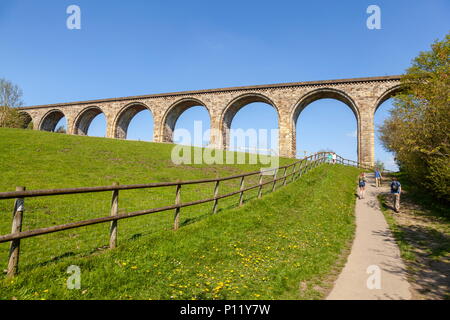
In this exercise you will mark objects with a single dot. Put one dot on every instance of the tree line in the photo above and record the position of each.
(10, 99)
(418, 129)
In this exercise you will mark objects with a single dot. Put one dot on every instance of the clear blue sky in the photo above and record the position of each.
(142, 47)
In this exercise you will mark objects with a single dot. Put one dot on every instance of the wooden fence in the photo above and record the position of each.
(296, 169)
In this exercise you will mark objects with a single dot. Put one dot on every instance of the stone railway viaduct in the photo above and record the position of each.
(362, 95)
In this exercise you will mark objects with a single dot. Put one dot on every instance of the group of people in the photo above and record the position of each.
(396, 187)
(332, 157)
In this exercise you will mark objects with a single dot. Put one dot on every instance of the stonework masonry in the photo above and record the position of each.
(362, 95)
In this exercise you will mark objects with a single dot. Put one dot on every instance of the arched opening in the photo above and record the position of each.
(91, 122)
(27, 120)
(326, 120)
(382, 112)
(250, 124)
(61, 126)
(187, 122)
(195, 123)
(54, 121)
(134, 122)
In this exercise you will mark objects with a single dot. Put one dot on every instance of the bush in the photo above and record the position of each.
(11, 118)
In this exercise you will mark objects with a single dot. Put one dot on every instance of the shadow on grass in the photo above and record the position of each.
(425, 248)
(432, 260)
(54, 259)
(384, 203)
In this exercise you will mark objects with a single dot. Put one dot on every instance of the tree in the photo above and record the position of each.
(328, 150)
(10, 98)
(60, 129)
(418, 129)
(380, 165)
(11, 118)
(10, 94)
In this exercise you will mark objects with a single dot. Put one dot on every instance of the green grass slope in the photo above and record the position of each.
(283, 246)
(43, 160)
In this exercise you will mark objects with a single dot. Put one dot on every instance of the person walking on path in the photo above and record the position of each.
(334, 158)
(396, 190)
(361, 185)
(378, 178)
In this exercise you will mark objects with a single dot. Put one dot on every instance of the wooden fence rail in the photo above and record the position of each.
(298, 169)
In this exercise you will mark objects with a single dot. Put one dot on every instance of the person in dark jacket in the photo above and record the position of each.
(396, 190)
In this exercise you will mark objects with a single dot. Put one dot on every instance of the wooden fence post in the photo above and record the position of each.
(241, 196)
(284, 176)
(176, 222)
(260, 186)
(216, 193)
(304, 168)
(274, 179)
(114, 212)
(300, 169)
(293, 172)
(14, 250)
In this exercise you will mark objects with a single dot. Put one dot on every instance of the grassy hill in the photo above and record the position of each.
(283, 246)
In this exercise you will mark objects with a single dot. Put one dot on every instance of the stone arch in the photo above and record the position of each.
(27, 119)
(174, 112)
(389, 93)
(50, 120)
(324, 93)
(84, 119)
(237, 104)
(124, 117)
